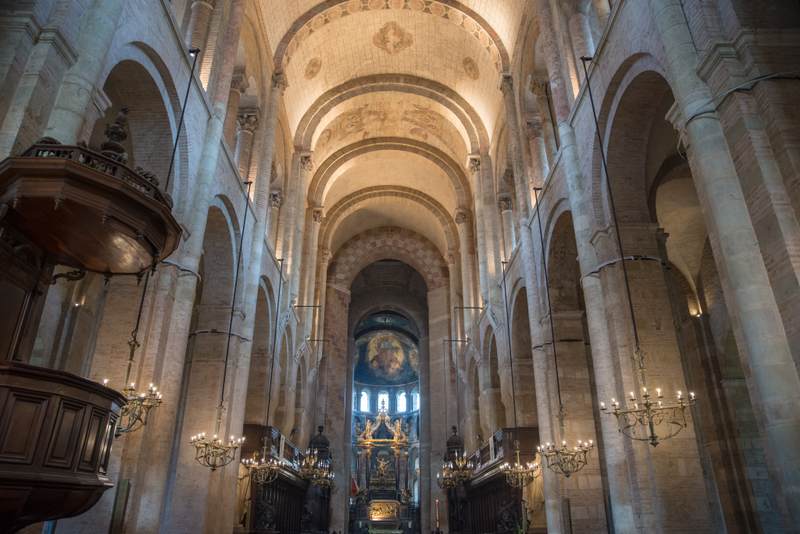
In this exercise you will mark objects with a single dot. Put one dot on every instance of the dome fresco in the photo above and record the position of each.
(386, 357)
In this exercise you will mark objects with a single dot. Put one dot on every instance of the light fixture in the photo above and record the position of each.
(565, 460)
(519, 475)
(651, 418)
(215, 452)
(264, 470)
(643, 418)
(561, 460)
(136, 411)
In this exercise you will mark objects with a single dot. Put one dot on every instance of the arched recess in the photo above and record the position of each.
(143, 67)
(476, 436)
(283, 386)
(261, 359)
(523, 360)
(327, 170)
(493, 412)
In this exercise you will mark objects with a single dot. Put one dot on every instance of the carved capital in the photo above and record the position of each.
(474, 164)
(539, 87)
(239, 81)
(306, 163)
(504, 203)
(316, 215)
(247, 121)
(461, 216)
(276, 198)
(279, 81)
(507, 84)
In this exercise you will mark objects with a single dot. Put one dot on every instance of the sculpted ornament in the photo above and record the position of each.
(471, 68)
(312, 68)
(306, 164)
(474, 164)
(392, 38)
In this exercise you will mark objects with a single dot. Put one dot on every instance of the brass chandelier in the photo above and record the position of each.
(214, 452)
(316, 470)
(565, 460)
(519, 475)
(645, 417)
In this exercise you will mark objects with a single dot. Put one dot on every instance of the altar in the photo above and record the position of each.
(381, 503)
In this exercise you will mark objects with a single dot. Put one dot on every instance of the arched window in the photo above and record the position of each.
(363, 403)
(415, 400)
(383, 401)
(402, 403)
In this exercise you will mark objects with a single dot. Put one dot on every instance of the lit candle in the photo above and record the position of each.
(632, 396)
(658, 392)
(602, 405)
(105, 381)
(437, 514)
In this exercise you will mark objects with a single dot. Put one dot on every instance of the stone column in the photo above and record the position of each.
(247, 123)
(773, 378)
(238, 87)
(518, 164)
(504, 205)
(196, 32)
(295, 224)
(474, 164)
(94, 41)
(310, 267)
(454, 268)
(467, 249)
(582, 39)
(339, 402)
(275, 203)
(433, 430)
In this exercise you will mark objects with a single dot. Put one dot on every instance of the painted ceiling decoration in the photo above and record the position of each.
(392, 37)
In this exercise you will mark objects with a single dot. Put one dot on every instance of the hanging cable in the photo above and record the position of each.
(549, 306)
(233, 310)
(194, 53)
(612, 205)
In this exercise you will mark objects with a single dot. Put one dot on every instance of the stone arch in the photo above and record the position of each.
(478, 137)
(151, 68)
(350, 203)
(521, 349)
(261, 357)
(282, 50)
(326, 170)
(635, 84)
(388, 243)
